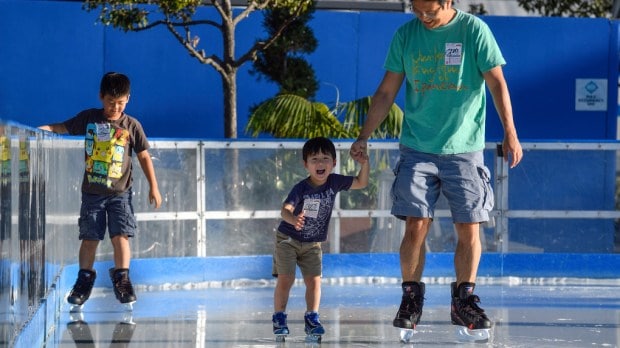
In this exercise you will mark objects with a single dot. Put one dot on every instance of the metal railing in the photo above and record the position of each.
(212, 195)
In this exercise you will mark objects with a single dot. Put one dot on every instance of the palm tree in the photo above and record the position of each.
(291, 116)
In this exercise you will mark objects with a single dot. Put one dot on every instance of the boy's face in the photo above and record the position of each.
(113, 107)
(319, 166)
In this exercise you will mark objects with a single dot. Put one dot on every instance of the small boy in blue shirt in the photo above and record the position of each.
(305, 220)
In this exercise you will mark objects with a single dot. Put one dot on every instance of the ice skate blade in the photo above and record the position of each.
(313, 338)
(75, 308)
(76, 316)
(128, 306)
(406, 335)
(477, 336)
(281, 338)
(128, 318)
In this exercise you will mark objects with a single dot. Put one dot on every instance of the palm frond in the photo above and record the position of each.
(291, 116)
(356, 112)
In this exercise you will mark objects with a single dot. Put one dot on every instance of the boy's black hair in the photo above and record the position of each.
(318, 144)
(114, 84)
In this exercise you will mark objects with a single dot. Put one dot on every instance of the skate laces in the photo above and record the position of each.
(413, 304)
(279, 320)
(312, 319)
(83, 284)
(123, 284)
(469, 307)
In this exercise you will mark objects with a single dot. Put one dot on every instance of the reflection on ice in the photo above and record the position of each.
(357, 316)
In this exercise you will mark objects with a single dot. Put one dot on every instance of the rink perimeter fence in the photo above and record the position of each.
(554, 220)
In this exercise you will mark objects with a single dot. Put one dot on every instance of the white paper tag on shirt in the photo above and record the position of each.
(311, 207)
(454, 53)
(103, 132)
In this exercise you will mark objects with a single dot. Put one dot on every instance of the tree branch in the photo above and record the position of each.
(212, 60)
(250, 55)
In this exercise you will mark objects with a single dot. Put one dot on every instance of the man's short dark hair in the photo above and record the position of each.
(441, 2)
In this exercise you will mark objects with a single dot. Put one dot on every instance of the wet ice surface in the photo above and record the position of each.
(353, 316)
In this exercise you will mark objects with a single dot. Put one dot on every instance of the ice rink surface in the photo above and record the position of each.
(552, 314)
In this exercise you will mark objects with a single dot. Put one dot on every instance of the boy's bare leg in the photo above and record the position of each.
(283, 287)
(313, 293)
(468, 251)
(122, 252)
(413, 249)
(86, 256)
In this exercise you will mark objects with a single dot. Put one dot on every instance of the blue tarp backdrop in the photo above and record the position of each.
(54, 53)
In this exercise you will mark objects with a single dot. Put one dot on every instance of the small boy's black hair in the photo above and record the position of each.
(318, 144)
(115, 85)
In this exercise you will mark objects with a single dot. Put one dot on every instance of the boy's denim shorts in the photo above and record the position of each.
(112, 212)
(290, 253)
(462, 178)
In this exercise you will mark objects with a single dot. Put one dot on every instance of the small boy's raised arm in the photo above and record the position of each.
(361, 180)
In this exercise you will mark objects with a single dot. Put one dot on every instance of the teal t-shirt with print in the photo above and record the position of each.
(445, 97)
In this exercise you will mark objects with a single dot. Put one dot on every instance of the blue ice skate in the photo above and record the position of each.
(280, 328)
(314, 329)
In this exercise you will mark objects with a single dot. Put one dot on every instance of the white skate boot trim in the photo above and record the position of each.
(465, 334)
(406, 335)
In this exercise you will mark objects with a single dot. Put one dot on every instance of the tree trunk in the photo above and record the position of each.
(229, 84)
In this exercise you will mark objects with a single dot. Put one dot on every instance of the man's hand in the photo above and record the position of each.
(358, 150)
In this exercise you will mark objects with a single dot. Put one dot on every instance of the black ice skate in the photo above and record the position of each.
(472, 323)
(81, 289)
(410, 311)
(122, 287)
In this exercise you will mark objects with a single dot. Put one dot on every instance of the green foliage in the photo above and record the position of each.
(291, 116)
(282, 62)
(568, 8)
(355, 113)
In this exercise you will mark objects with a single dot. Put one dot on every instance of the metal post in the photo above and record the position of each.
(201, 230)
(501, 200)
(334, 236)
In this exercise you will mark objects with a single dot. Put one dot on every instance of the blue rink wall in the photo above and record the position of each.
(189, 270)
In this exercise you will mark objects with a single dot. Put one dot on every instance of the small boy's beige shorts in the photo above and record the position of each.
(290, 253)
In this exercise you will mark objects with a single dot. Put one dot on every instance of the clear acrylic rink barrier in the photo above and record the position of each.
(202, 266)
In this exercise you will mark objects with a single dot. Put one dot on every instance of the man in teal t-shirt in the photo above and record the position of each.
(446, 58)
